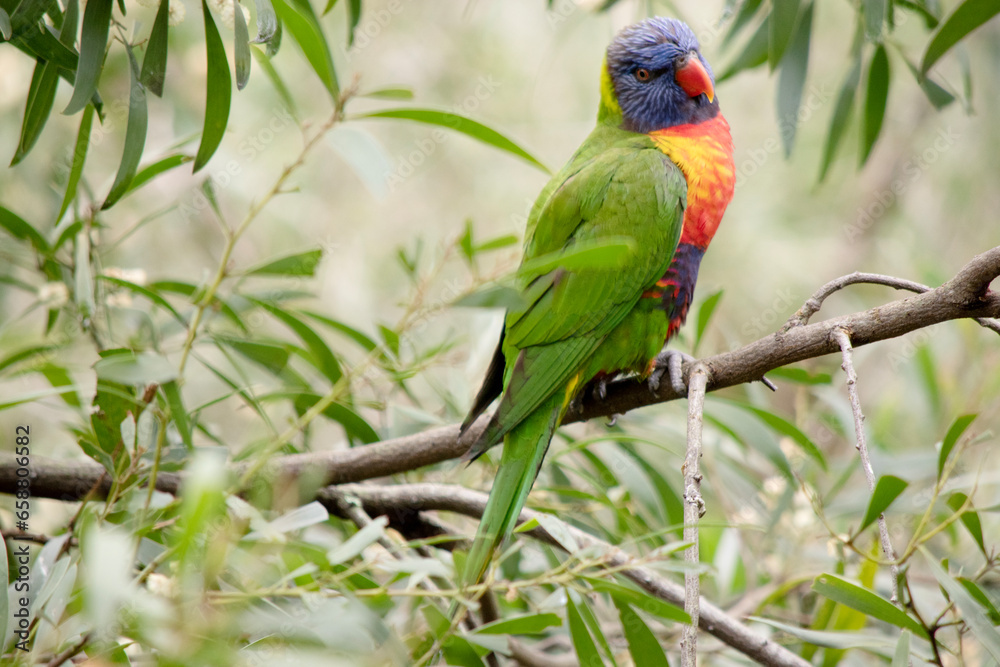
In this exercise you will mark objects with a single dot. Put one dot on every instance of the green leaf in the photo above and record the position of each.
(637, 598)
(353, 18)
(461, 124)
(273, 357)
(785, 427)
(301, 21)
(876, 95)
(172, 392)
(154, 62)
(21, 355)
(754, 54)
(964, 19)
(391, 93)
(83, 279)
(801, 376)
(936, 94)
(972, 613)
(17, 227)
(836, 640)
(875, 17)
(6, 31)
(241, 50)
(841, 117)
(264, 62)
(586, 650)
(886, 491)
(642, 643)
(41, 94)
(868, 603)
(299, 264)
(781, 23)
(955, 432)
(79, 157)
(267, 22)
(218, 93)
(135, 136)
(747, 10)
(324, 359)
(189, 290)
(358, 337)
(497, 243)
(162, 165)
(901, 657)
(93, 41)
(979, 596)
(969, 518)
(148, 293)
(135, 369)
(358, 542)
(526, 624)
(705, 312)
(792, 79)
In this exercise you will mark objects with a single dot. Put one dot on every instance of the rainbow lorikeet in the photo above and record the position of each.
(658, 170)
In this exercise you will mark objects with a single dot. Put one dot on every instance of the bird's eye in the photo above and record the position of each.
(642, 74)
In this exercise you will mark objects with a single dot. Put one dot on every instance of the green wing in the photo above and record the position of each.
(621, 191)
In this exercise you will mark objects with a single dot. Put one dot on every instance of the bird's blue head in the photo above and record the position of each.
(657, 78)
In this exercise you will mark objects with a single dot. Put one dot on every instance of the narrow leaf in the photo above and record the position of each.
(527, 624)
(83, 280)
(973, 615)
(886, 491)
(154, 63)
(622, 594)
(301, 21)
(358, 542)
(241, 51)
(17, 227)
(875, 15)
(955, 432)
(792, 79)
(461, 124)
(172, 392)
(781, 23)
(79, 157)
(151, 171)
(324, 359)
(841, 117)
(269, 355)
(135, 369)
(135, 136)
(836, 640)
(6, 31)
(901, 657)
(754, 53)
(586, 650)
(148, 293)
(642, 643)
(393, 93)
(967, 17)
(353, 18)
(868, 603)
(980, 596)
(264, 62)
(267, 21)
(299, 264)
(785, 427)
(876, 95)
(41, 94)
(218, 93)
(748, 8)
(93, 41)
(970, 519)
(705, 312)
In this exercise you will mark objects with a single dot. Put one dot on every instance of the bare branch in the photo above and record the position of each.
(694, 508)
(426, 497)
(847, 354)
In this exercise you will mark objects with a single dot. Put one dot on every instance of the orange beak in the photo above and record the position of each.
(693, 79)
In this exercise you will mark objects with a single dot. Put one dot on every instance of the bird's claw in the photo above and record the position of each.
(601, 389)
(671, 363)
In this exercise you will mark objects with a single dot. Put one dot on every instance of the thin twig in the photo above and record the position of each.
(815, 302)
(70, 652)
(847, 353)
(694, 508)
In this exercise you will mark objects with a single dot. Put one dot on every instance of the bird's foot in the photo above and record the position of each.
(613, 420)
(671, 363)
(601, 389)
(576, 404)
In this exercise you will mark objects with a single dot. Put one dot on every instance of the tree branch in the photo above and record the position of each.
(694, 508)
(966, 295)
(378, 500)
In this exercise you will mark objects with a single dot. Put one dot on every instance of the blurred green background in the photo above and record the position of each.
(925, 202)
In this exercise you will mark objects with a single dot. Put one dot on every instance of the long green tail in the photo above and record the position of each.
(523, 450)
